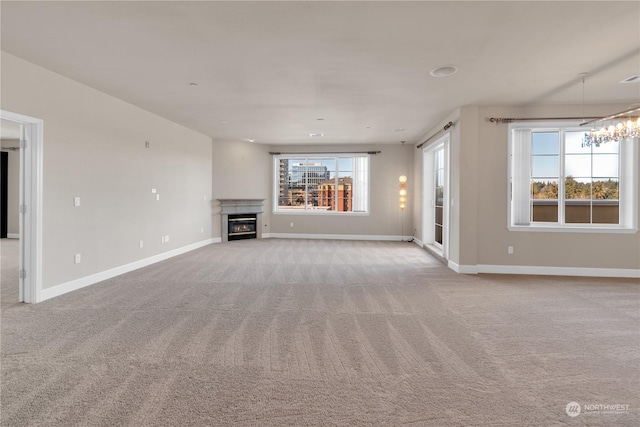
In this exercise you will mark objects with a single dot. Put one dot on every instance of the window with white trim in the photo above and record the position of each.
(321, 183)
(557, 181)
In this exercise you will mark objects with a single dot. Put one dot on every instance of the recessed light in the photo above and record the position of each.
(193, 84)
(250, 140)
(319, 119)
(443, 71)
(398, 130)
(315, 135)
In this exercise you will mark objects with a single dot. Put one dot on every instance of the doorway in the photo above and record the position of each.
(30, 139)
(436, 196)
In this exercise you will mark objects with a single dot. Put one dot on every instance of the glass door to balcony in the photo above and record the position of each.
(436, 196)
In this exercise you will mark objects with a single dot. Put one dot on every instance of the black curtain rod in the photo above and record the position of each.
(445, 128)
(273, 153)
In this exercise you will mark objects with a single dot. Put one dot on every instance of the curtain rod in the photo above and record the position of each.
(613, 116)
(446, 127)
(273, 153)
(537, 119)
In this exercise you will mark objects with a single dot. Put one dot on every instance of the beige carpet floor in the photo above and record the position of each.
(337, 333)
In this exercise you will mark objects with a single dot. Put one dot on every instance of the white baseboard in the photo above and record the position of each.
(544, 271)
(336, 236)
(117, 271)
(463, 269)
(418, 242)
(13, 236)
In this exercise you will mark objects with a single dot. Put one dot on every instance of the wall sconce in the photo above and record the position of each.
(403, 192)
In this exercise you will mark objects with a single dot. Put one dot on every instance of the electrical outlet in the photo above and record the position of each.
(141, 244)
(166, 238)
(76, 201)
(157, 197)
(77, 259)
(291, 225)
(202, 229)
(510, 250)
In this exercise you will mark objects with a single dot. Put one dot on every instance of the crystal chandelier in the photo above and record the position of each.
(624, 129)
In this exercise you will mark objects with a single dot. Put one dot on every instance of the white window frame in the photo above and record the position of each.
(310, 157)
(628, 184)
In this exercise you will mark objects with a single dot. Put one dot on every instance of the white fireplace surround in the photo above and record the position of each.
(240, 206)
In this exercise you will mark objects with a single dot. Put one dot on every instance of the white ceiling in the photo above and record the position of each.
(269, 70)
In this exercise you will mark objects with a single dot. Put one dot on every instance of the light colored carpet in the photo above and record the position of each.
(306, 332)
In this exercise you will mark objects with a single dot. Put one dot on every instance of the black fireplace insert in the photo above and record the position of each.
(242, 226)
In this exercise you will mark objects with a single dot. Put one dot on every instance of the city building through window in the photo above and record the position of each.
(322, 183)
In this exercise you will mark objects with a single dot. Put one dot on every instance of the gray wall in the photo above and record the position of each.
(241, 170)
(479, 169)
(94, 148)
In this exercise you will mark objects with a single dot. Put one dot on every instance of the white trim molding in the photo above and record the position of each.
(13, 236)
(337, 236)
(31, 179)
(73, 285)
(545, 271)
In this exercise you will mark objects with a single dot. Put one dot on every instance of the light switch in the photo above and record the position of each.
(76, 201)
(77, 259)
(157, 197)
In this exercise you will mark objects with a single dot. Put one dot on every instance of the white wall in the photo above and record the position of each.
(479, 191)
(94, 148)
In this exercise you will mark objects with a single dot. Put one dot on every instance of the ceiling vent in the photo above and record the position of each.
(632, 79)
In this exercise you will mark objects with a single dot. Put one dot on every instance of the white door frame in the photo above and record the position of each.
(428, 202)
(30, 258)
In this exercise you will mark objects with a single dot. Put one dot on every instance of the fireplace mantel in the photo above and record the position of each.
(240, 206)
(234, 206)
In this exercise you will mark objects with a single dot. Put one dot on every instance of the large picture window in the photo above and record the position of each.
(322, 183)
(557, 181)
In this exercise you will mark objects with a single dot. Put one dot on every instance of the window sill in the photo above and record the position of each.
(571, 229)
(321, 213)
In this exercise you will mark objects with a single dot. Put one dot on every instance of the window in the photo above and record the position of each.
(557, 182)
(322, 183)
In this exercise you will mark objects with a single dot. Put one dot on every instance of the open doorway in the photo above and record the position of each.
(10, 136)
(24, 135)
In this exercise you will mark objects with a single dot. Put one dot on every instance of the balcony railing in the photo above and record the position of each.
(577, 211)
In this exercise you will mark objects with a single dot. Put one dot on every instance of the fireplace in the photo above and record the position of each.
(242, 226)
(241, 219)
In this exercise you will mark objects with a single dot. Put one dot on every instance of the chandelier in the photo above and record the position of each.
(613, 132)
